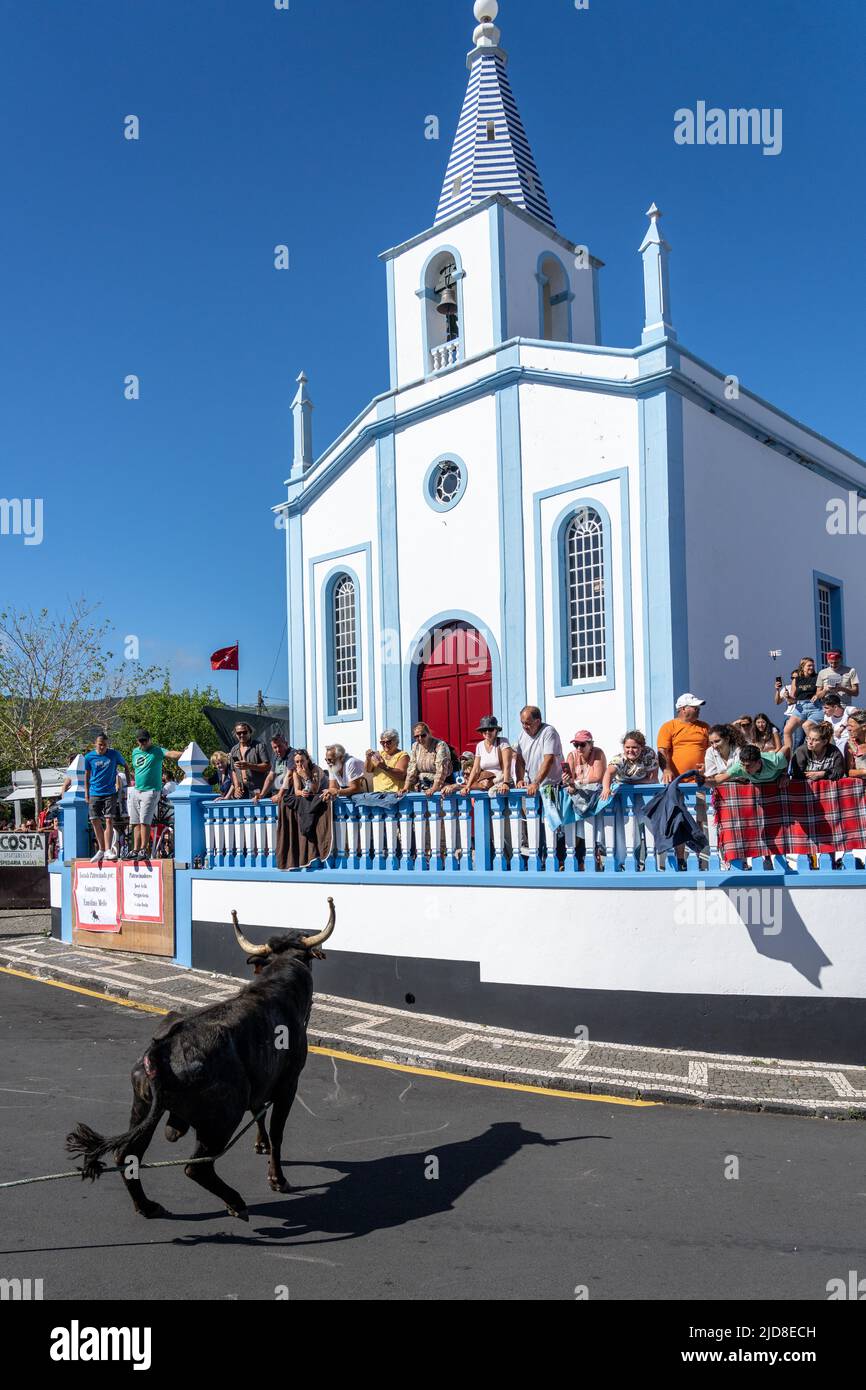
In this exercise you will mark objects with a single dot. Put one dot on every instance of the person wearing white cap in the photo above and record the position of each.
(683, 741)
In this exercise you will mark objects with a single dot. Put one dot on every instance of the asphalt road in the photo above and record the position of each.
(535, 1195)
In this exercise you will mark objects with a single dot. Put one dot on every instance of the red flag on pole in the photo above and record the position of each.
(226, 659)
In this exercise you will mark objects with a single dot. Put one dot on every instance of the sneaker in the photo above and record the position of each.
(98, 857)
(111, 853)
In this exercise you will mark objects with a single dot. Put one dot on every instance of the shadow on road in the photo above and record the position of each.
(364, 1195)
(380, 1193)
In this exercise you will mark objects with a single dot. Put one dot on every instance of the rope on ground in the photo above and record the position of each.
(164, 1163)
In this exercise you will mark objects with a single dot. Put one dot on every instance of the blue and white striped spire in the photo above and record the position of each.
(491, 153)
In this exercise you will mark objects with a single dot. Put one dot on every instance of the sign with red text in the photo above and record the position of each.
(142, 892)
(96, 890)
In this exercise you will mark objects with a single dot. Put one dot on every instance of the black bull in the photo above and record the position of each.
(209, 1068)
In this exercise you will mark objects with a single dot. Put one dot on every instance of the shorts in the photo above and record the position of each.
(103, 807)
(141, 806)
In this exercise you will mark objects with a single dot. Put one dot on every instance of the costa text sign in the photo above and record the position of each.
(22, 849)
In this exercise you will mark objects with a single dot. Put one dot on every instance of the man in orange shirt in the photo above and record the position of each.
(683, 741)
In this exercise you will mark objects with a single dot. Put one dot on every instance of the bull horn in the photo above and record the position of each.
(322, 935)
(248, 946)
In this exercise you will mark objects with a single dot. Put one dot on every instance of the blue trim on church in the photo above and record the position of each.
(665, 595)
(388, 560)
(364, 600)
(546, 598)
(512, 603)
(837, 616)
(331, 714)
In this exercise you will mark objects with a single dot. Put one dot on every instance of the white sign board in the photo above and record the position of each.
(97, 898)
(22, 849)
(142, 892)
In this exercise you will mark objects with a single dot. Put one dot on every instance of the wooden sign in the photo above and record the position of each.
(142, 895)
(96, 894)
(144, 920)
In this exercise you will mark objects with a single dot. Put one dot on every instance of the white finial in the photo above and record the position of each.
(486, 35)
(653, 213)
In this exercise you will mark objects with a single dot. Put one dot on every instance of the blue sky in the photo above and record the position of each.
(306, 127)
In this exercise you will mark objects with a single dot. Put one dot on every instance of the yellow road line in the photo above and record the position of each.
(481, 1080)
(364, 1061)
(79, 989)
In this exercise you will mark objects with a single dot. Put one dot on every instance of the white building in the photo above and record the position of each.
(529, 516)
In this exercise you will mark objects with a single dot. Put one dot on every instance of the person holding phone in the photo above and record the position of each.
(250, 763)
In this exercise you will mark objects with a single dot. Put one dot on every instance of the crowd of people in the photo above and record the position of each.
(823, 736)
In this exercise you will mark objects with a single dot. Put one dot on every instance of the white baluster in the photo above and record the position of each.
(515, 826)
(465, 829)
(391, 824)
(381, 844)
(340, 835)
(497, 819)
(451, 830)
(435, 821)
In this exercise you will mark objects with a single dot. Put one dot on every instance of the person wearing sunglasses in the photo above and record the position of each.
(430, 762)
(249, 762)
(389, 767)
(587, 765)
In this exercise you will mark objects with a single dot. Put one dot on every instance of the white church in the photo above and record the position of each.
(528, 515)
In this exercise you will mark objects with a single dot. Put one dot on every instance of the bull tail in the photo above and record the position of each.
(84, 1142)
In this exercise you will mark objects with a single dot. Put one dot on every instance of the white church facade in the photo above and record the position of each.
(528, 515)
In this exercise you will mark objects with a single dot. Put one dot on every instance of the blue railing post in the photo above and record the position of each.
(188, 800)
(483, 835)
(76, 834)
(498, 807)
(76, 840)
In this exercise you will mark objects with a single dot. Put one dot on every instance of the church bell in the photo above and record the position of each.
(447, 301)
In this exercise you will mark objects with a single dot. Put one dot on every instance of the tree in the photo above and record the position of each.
(58, 681)
(173, 718)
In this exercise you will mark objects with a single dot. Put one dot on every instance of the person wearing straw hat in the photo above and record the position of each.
(491, 768)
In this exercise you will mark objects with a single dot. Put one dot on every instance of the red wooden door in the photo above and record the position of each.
(455, 685)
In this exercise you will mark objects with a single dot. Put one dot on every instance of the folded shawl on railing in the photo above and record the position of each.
(788, 817)
(305, 830)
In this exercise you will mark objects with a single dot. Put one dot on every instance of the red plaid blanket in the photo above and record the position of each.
(788, 817)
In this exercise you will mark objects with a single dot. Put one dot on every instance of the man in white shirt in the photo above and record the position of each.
(539, 752)
(837, 715)
(836, 676)
(345, 773)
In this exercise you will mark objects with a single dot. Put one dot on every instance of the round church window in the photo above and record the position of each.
(445, 483)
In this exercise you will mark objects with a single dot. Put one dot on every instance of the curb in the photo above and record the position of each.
(421, 1057)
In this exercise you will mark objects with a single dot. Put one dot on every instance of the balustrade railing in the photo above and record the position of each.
(477, 835)
(446, 355)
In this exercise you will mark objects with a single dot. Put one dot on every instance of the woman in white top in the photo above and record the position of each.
(491, 770)
(725, 745)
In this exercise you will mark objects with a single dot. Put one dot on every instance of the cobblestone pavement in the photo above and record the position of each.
(31, 922)
(471, 1049)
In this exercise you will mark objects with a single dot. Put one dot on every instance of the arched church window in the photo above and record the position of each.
(555, 301)
(586, 597)
(344, 635)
